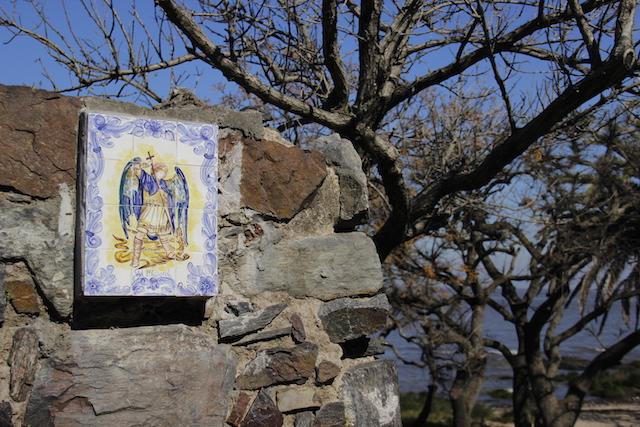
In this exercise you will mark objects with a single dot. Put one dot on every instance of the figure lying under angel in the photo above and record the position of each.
(160, 206)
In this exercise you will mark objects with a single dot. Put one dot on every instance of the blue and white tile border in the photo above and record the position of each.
(100, 280)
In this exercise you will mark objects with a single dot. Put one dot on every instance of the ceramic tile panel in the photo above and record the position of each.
(150, 206)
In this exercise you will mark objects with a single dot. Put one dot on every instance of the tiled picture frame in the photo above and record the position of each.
(148, 206)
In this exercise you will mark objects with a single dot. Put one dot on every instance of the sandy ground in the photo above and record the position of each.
(602, 415)
(610, 414)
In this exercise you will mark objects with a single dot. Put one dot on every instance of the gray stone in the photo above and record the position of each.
(239, 307)
(281, 365)
(263, 413)
(232, 329)
(249, 122)
(323, 267)
(3, 296)
(23, 360)
(6, 414)
(145, 376)
(41, 233)
(371, 396)
(326, 371)
(332, 415)
(347, 319)
(354, 199)
(297, 328)
(263, 336)
(303, 419)
(297, 398)
(230, 174)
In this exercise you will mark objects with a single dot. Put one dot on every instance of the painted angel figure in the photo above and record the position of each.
(160, 206)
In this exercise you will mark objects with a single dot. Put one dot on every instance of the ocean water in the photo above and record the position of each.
(585, 345)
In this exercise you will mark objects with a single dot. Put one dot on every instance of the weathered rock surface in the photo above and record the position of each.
(371, 395)
(326, 371)
(263, 336)
(354, 199)
(249, 122)
(323, 267)
(232, 329)
(23, 360)
(38, 130)
(229, 174)
(263, 413)
(146, 376)
(304, 419)
(282, 365)
(347, 319)
(41, 232)
(277, 180)
(297, 328)
(297, 398)
(20, 289)
(333, 415)
(3, 296)
(5, 414)
(240, 409)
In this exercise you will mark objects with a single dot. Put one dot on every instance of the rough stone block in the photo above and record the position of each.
(3, 296)
(23, 360)
(326, 371)
(6, 414)
(263, 336)
(333, 415)
(354, 199)
(297, 398)
(304, 419)
(239, 410)
(297, 328)
(323, 267)
(157, 375)
(41, 232)
(371, 396)
(282, 365)
(232, 329)
(21, 289)
(277, 180)
(347, 319)
(263, 413)
(38, 130)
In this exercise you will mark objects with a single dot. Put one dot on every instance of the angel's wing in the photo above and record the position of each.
(130, 195)
(181, 199)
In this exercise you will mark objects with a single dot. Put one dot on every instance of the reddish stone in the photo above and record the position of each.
(278, 180)
(239, 410)
(279, 366)
(263, 413)
(38, 130)
(297, 328)
(20, 289)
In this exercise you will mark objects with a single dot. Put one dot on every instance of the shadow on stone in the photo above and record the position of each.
(125, 312)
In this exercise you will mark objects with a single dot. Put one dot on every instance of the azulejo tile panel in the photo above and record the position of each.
(150, 201)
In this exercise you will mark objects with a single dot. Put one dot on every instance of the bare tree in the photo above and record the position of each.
(346, 66)
(574, 242)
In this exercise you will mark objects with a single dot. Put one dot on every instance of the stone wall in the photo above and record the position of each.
(287, 341)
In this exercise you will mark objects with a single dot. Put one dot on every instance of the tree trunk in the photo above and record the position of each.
(463, 395)
(522, 406)
(421, 421)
